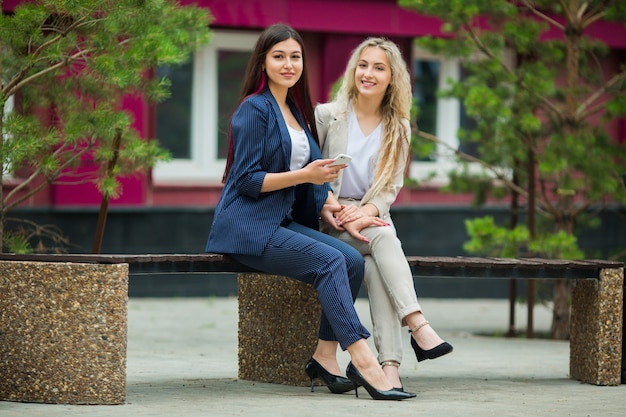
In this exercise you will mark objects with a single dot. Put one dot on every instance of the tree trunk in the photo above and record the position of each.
(2, 219)
(560, 314)
(531, 225)
(573, 34)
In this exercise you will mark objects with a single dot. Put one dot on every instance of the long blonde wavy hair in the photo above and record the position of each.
(396, 107)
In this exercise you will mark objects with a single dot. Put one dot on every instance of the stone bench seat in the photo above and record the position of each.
(63, 318)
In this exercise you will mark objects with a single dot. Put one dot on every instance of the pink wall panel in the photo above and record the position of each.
(365, 17)
(133, 188)
(9, 5)
(86, 194)
(371, 17)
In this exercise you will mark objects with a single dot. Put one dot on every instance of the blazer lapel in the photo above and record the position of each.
(285, 138)
(338, 130)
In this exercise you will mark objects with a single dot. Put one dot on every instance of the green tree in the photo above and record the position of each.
(66, 66)
(541, 100)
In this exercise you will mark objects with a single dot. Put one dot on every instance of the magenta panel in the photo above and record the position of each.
(371, 17)
(133, 188)
(251, 14)
(375, 18)
(611, 33)
(87, 194)
(9, 5)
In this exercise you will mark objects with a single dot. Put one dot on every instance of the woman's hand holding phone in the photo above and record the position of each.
(341, 159)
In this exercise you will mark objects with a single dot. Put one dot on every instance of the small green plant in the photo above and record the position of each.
(26, 236)
(487, 238)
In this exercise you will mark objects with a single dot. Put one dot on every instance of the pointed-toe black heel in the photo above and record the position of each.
(439, 350)
(421, 354)
(401, 389)
(357, 379)
(397, 365)
(336, 384)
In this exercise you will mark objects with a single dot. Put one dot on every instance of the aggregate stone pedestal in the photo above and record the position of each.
(63, 330)
(597, 329)
(278, 328)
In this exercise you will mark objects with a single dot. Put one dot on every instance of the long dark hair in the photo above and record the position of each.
(255, 80)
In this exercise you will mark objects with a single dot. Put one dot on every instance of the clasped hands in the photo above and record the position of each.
(350, 218)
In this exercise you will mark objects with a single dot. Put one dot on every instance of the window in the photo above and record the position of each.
(193, 122)
(173, 116)
(425, 85)
(441, 117)
(438, 116)
(467, 122)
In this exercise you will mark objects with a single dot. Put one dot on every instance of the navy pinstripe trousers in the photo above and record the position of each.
(334, 268)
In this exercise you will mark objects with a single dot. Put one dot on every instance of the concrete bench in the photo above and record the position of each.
(63, 318)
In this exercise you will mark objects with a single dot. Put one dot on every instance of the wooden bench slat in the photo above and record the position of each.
(441, 266)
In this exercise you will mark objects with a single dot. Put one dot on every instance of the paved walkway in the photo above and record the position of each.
(182, 361)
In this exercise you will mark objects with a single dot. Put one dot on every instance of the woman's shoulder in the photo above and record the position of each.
(326, 111)
(254, 104)
(258, 99)
(329, 107)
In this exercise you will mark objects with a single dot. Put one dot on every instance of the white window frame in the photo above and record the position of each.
(204, 164)
(435, 173)
(447, 125)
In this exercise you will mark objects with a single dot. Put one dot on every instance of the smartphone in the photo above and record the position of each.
(341, 159)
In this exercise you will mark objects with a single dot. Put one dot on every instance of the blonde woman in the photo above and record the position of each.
(369, 120)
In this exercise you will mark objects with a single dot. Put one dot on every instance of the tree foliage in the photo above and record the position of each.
(541, 92)
(540, 95)
(68, 66)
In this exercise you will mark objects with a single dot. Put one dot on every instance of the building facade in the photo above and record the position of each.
(169, 210)
(193, 123)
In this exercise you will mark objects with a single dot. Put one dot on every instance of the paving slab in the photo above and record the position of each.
(182, 361)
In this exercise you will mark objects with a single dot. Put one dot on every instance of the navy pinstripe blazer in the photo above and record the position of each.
(245, 218)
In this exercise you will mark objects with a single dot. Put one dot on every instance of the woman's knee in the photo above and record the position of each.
(354, 261)
(385, 236)
(385, 233)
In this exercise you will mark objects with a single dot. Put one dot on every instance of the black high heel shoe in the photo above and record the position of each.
(421, 354)
(397, 365)
(357, 379)
(336, 384)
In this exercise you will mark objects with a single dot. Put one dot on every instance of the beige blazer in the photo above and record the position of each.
(332, 127)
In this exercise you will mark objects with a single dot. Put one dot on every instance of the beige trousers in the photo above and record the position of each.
(389, 283)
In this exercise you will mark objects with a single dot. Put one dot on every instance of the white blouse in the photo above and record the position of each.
(300, 150)
(359, 174)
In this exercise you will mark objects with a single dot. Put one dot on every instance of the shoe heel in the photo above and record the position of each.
(419, 352)
(312, 374)
(335, 383)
